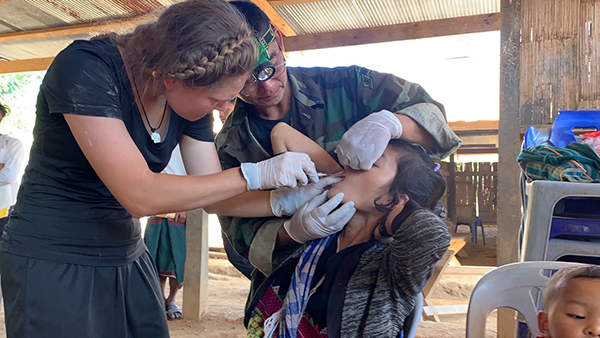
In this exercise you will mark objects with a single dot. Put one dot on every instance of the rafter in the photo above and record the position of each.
(287, 2)
(416, 30)
(29, 65)
(94, 27)
(276, 19)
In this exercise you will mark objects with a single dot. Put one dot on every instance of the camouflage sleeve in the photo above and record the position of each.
(386, 91)
(253, 238)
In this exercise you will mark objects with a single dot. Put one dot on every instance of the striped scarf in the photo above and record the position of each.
(287, 319)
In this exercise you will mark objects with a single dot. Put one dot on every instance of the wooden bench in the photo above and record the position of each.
(457, 242)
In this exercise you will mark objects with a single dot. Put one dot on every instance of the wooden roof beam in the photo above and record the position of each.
(287, 2)
(407, 31)
(29, 65)
(275, 18)
(94, 27)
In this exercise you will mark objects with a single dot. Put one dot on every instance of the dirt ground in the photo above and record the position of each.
(228, 290)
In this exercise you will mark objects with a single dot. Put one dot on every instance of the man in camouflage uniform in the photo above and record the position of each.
(323, 104)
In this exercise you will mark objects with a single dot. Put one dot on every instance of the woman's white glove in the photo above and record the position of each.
(286, 170)
(286, 201)
(366, 140)
(316, 220)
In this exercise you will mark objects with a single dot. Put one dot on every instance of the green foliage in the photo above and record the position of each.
(19, 92)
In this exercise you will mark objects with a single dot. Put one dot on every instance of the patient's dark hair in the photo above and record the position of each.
(416, 177)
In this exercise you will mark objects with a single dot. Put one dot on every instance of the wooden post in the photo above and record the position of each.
(195, 292)
(509, 202)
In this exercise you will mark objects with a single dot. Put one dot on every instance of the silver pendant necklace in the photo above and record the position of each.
(155, 135)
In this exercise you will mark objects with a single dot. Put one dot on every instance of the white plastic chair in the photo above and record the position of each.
(516, 286)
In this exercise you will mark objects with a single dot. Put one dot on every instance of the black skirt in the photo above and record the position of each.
(51, 299)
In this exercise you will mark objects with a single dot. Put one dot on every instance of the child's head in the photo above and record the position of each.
(403, 170)
(572, 303)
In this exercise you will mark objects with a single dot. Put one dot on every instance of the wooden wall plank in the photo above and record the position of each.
(549, 59)
(590, 54)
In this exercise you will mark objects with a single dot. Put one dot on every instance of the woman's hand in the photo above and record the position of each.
(286, 170)
(366, 140)
(317, 218)
(181, 217)
(286, 201)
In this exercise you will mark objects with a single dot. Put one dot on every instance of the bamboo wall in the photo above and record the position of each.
(559, 58)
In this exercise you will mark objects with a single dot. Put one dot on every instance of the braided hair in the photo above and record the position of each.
(197, 41)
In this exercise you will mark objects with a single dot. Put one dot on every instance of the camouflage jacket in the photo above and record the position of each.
(326, 102)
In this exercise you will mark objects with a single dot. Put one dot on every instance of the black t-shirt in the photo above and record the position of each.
(64, 212)
(261, 129)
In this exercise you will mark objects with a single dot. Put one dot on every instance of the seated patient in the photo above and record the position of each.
(572, 304)
(362, 281)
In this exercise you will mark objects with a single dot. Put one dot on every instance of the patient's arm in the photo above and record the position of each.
(285, 138)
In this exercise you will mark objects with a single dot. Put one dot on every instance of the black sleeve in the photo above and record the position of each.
(201, 130)
(83, 80)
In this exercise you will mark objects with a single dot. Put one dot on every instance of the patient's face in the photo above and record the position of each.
(365, 186)
(576, 313)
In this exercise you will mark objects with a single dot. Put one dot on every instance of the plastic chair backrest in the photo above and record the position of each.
(412, 321)
(514, 286)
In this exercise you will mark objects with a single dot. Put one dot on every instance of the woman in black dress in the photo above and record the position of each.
(109, 113)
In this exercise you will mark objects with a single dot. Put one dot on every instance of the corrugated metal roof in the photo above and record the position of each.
(305, 18)
(337, 15)
(37, 14)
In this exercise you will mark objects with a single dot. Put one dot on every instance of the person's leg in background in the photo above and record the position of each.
(174, 286)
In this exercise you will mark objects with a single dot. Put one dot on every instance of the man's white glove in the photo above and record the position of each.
(286, 201)
(316, 220)
(366, 140)
(286, 170)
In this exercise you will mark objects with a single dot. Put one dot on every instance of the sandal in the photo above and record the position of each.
(174, 312)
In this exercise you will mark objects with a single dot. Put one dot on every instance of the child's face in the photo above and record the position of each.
(576, 313)
(365, 186)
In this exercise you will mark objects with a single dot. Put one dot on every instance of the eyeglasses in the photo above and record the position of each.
(252, 83)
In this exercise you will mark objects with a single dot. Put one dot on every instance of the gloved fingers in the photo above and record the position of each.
(340, 217)
(302, 167)
(366, 162)
(316, 201)
(366, 140)
(329, 205)
(341, 155)
(287, 226)
(356, 155)
(389, 121)
(300, 177)
(309, 170)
